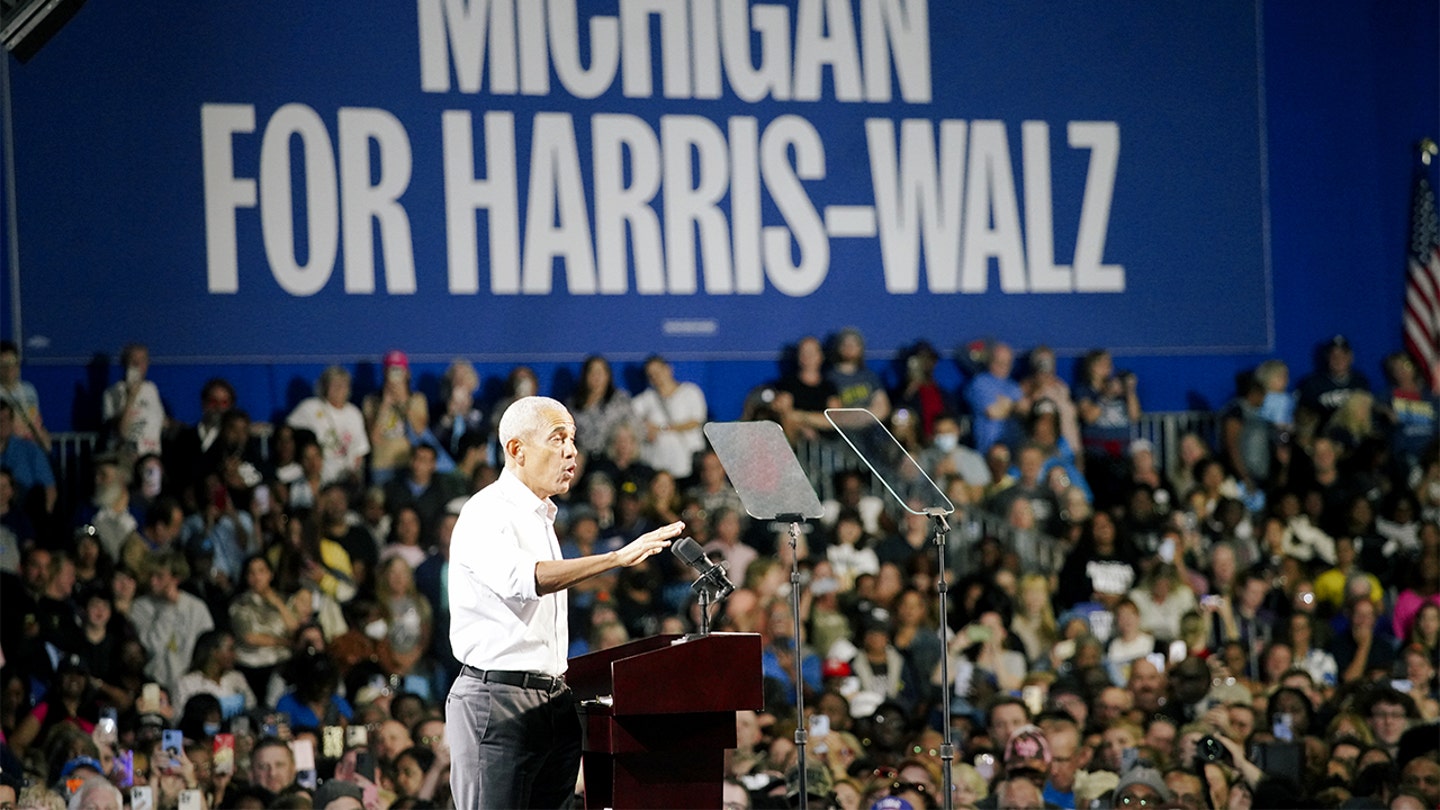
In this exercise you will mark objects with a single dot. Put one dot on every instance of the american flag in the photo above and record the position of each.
(1422, 287)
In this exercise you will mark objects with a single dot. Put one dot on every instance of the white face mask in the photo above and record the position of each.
(945, 442)
(376, 629)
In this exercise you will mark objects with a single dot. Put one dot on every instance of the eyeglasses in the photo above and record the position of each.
(1131, 800)
(1381, 714)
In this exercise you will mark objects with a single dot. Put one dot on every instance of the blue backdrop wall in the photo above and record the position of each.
(257, 190)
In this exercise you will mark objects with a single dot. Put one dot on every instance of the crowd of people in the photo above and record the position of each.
(233, 617)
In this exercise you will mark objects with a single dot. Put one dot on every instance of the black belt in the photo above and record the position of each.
(524, 680)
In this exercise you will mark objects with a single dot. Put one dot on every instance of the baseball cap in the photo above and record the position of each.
(395, 357)
(818, 781)
(1339, 342)
(81, 762)
(891, 803)
(1142, 775)
(337, 789)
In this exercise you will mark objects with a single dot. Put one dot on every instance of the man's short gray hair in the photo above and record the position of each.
(525, 416)
(91, 786)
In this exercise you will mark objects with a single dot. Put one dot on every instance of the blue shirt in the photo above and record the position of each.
(302, 716)
(28, 465)
(981, 394)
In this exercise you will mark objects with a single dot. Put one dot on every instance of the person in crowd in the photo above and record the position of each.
(1411, 407)
(850, 554)
(1100, 568)
(622, 468)
(406, 539)
(1034, 620)
(599, 405)
(919, 400)
(804, 393)
(31, 476)
(312, 699)
(1108, 404)
(461, 417)
(856, 384)
(1322, 393)
(131, 409)
(23, 398)
(70, 702)
(998, 405)
(396, 417)
(712, 490)
(1247, 437)
(212, 672)
(303, 558)
(338, 426)
(1353, 427)
(169, 621)
(263, 624)
(672, 414)
(303, 491)
(504, 545)
(946, 457)
(409, 625)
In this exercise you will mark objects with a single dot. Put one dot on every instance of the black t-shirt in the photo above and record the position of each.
(813, 398)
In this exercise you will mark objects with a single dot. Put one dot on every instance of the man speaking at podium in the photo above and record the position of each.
(511, 722)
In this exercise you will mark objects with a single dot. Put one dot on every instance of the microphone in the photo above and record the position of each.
(692, 555)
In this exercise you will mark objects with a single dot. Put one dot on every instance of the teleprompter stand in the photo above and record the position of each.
(907, 482)
(772, 486)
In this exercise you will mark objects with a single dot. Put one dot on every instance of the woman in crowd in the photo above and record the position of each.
(71, 702)
(1034, 619)
(663, 502)
(1423, 589)
(914, 633)
(1102, 567)
(598, 406)
(851, 553)
(395, 418)
(1306, 653)
(458, 387)
(312, 699)
(263, 624)
(305, 559)
(1425, 630)
(408, 625)
(212, 672)
(406, 541)
(1193, 450)
(1162, 599)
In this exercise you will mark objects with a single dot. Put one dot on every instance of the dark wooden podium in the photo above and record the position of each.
(661, 740)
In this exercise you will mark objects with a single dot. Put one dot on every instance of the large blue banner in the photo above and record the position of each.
(709, 179)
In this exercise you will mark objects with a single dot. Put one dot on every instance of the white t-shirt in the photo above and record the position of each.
(673, 450)
(147, 415)
(341, 432)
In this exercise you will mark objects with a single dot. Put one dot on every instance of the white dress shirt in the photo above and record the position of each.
(498, 621)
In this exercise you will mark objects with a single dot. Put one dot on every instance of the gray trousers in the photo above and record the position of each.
(510, 747)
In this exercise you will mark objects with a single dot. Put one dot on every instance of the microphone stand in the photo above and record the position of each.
(802, 733)
(947, 748)
(704, 594)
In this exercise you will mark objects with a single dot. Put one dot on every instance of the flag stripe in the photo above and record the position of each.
(1421, 319)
